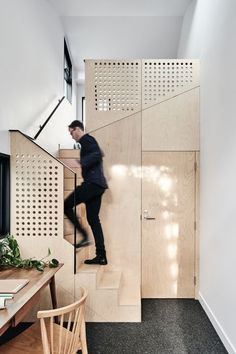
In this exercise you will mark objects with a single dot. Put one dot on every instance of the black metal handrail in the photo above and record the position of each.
(49, 117)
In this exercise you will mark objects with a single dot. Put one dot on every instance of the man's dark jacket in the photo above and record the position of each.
(91, 161)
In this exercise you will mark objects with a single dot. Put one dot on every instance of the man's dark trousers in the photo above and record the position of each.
(91, 195)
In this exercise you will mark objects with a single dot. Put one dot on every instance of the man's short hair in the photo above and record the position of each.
(76, 124)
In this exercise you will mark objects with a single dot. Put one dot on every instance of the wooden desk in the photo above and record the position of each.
(28, 296)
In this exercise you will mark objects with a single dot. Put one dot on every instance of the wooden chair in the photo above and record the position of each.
(54, 339)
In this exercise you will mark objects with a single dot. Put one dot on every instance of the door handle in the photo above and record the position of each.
(146, 216)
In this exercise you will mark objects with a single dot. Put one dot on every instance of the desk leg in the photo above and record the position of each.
(53, 296)
(53, 292)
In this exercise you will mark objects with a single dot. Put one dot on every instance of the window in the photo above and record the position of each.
(67, 74)
(83, 110)
(4, 194)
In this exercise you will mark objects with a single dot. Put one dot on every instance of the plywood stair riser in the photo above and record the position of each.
(70, 157)
(81, 215)
(128, 293)
(83, 253)
(103, 304)
(69, 174)
(69, 154)
(72, 163)
(69, 184)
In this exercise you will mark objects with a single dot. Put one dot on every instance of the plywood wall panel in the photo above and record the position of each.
(172, 125)
(197, 225)
(120, 213)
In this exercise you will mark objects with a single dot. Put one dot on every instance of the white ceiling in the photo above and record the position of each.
(122, 37)
(121, 7)
(109, 29)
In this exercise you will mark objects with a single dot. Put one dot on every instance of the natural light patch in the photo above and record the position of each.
(166, 215)
(174, 288)
(168, 231)
(172, 231)
(119, 171)
(151, 174)
(165, 183)
(175, 230)
(147, 173)
(135, 171)
(175, 199)
(174, 270)
(172, 251)
(164, 169)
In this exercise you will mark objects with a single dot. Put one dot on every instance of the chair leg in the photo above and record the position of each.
(83, 339)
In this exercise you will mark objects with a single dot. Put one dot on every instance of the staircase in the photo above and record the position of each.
(110, 298)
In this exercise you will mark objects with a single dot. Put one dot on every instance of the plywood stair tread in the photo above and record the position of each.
(89, 268)
(110, 280)
(68, 235)
(70, 238)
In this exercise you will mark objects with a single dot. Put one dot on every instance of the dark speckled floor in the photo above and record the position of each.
(168, 327)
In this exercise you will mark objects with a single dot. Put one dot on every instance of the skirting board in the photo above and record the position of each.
(221, 333)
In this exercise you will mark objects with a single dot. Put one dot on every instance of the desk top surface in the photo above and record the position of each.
(37, 280)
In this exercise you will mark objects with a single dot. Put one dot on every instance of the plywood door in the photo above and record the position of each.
(168, 203)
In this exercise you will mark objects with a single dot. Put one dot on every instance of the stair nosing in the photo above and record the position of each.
(116, 286)
(88, 269)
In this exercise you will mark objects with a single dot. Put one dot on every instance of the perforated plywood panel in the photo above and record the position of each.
(113, 90)
(163, 78)
(36, 195)
(37, 190)
(33, 219)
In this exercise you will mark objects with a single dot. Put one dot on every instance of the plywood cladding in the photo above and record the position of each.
(172, 125)
(115, 89)
(134, 107)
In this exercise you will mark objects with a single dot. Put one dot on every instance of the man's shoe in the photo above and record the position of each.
(83, 243)
(97, 260)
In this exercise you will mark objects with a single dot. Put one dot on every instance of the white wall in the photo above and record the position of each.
(81, 93)
(31, 64)
(208, 33)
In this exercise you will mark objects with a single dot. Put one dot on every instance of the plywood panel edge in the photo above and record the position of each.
(197, 219)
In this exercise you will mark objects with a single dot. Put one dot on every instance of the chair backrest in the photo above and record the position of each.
(71, 337)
